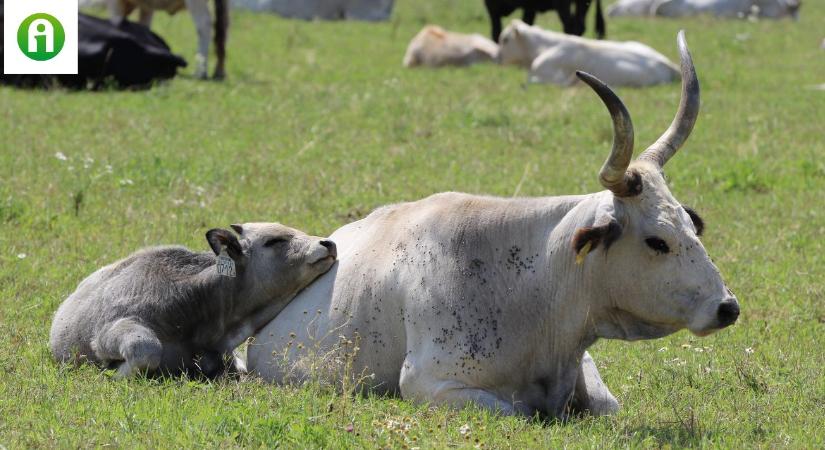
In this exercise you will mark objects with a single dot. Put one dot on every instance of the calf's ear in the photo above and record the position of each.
(219, 238)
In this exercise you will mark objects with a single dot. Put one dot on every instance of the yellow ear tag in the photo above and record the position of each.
(583, 252)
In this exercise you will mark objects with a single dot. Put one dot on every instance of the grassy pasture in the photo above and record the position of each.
(318, 123)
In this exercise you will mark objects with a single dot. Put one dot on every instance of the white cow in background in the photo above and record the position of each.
(199, 9)
(434, 46)
(460, 298)
(773, 9)
(555, 57)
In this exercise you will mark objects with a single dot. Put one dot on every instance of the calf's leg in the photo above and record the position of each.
(128, 341)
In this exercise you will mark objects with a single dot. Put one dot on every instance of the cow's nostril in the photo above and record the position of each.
(728, 313)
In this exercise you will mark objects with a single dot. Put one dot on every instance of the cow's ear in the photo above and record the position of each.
(587, 239)
(219, 238)
(238, 228)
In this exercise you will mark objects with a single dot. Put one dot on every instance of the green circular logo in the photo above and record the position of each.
(41, 37)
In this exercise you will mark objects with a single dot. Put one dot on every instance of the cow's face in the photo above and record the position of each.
(653, 274)
(661, 277)
(277, 261)
(513, 48)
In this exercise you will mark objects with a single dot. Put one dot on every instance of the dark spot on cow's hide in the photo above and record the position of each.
(604, 234)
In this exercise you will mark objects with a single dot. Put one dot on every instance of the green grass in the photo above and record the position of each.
(318, 123)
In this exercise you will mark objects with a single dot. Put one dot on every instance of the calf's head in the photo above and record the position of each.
(643, 246)
(271, 260)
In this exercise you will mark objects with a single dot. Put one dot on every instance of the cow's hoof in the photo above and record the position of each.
(219, 76)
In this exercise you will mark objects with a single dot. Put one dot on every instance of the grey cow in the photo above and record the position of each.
(167, 310)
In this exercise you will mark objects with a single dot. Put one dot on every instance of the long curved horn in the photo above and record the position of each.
(614, 175)
(676, 135)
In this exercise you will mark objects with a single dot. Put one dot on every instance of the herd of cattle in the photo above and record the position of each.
(553, 57)
(431, 298)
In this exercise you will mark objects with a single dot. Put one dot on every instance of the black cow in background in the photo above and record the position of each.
(572, 21)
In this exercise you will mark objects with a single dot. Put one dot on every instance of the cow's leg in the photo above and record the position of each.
(128, 341)
(203, 25)
(591, 394)
(529, 16)
(145, 18)
(221, 31)
(118, 10)
(568, 21)
(419, 383)
(495, 19)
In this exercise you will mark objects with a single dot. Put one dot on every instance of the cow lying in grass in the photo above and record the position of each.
(434, 46)
(555, 57)
(769, 9)
(168, 310)
(459, 299)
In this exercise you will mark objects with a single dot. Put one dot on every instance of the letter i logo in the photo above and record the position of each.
(41, 37)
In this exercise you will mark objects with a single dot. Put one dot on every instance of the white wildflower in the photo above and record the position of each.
(21, 256)
(61, 156)
(464, 429)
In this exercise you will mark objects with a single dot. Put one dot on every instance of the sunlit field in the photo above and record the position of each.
(317, 124)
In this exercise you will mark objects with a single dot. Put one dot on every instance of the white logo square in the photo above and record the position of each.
(40, 37)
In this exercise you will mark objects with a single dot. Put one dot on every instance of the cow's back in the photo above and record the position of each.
(402, 268)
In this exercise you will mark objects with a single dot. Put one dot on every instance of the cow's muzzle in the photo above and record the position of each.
(728, 312)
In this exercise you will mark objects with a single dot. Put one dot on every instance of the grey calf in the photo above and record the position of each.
(167, 310)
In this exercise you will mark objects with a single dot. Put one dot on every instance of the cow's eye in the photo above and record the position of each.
(657, 244)
(275, 241)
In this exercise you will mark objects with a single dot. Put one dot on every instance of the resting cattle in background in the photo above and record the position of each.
(169, 310)
(573, 22)
(460, 298)
(773, 9)
(433, 46)
(369, 10)
(120, 9)
(555, 57)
